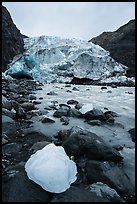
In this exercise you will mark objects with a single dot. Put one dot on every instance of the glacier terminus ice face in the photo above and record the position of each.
(55, 59)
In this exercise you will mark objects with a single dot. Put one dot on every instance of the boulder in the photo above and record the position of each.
(82, 142)
(112, 175)
(21, 189)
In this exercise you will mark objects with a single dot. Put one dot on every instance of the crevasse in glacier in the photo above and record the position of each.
(56, 59)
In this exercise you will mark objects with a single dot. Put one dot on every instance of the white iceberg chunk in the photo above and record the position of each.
(85, 108)
(51, 168)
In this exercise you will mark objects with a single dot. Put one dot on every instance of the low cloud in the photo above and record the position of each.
(70, 19)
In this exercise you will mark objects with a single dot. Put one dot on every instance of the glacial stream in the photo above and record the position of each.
(120, 100)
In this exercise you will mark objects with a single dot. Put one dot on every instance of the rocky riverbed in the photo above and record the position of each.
(94, 124)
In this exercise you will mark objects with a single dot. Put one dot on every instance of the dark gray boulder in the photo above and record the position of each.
(78, 194)
(112, 175)
(21, 189)
(82, 142)
(9, 126)
(95, 114)
(132, 134)
(6, 103)
(62, 111)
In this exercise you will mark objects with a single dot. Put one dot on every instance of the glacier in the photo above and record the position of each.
(55, 59)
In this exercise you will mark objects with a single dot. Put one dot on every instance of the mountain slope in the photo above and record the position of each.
(120, 44)
(12, 40)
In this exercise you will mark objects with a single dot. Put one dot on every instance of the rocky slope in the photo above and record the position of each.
(120, 44)
(12, 39)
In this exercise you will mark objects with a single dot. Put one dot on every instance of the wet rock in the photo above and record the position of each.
(21, 99)
(11, 148)
(72, 102)
(32, 97)
(19, 110)
(94, 122)
(53, 107)
(47, 120)
(103, 87)
(15, 95)
(28, 106)
(4, 136)
(112, 113)
(36, 102)
(78, 194)
(69, 91)
(62, 111)
(8, 113)
(4, 141)
(64, 119)
(67, 85)
(37, 112)
(4, 92)
(109, 91)
(112, 175)
(113, 85)
(40, 88)
(132, 133)
(6, 103)
(82, 142)
(64, 106)
(130, 92)
(17, 167)
(62, 135)
(13, 87)
(9, 126)
(48, 107)
(95, 114)
(83, 81)
(78, 106)
(39, 145)
(104, 190)
(75, 89)
(52, 93)
(74, 113)
(109, 118)
(33, 136)
(21, 189)
(65, 123)
(118, 147)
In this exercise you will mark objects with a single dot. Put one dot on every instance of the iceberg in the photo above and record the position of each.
(51, 168)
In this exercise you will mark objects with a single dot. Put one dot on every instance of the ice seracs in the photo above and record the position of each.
(51, 168)
(50, 58)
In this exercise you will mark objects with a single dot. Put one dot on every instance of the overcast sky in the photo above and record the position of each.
(69, 19)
